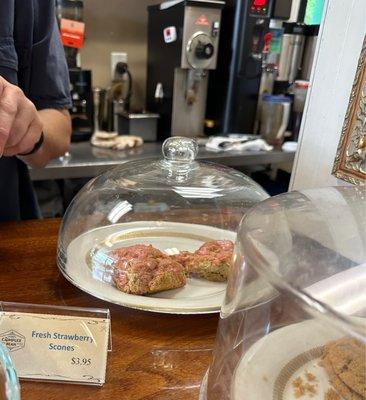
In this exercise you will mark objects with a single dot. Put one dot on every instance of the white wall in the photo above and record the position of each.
(338, 50)
(117, 25)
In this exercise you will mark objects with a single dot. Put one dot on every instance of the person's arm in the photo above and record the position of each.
(21, 126)
(48, 90)
(57, 132)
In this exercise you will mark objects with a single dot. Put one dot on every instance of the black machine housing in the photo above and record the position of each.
(233, 87)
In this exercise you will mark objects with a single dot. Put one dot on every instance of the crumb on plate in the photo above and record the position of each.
(302, 388)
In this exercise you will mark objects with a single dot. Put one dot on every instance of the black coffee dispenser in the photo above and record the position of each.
(82, 104)
(234, 86)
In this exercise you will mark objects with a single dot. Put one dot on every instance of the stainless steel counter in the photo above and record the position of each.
(85, 161)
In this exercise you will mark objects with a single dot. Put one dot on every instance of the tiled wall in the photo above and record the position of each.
(116, 25)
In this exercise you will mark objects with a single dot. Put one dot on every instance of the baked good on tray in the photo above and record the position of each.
(345, 362)
(331, 394)
(142, 269)
(212, 261)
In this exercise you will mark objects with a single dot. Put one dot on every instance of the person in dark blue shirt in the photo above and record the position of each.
(35, 123)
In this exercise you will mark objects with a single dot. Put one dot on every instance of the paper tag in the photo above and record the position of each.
(56, 347)
(72, 33)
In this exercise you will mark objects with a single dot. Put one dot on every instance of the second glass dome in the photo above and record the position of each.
(148, 210)
(293, 323)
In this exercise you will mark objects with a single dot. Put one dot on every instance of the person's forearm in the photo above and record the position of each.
(57, 133)
(21, 127)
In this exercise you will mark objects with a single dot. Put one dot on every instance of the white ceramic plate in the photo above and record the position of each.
(197, 297)
(269, 367)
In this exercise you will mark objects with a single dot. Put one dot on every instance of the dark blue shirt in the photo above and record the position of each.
(32, 57)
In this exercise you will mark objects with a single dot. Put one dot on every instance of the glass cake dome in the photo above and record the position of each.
(293, 323)
(124, 236)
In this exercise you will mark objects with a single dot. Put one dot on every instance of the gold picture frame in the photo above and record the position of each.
(350, 161)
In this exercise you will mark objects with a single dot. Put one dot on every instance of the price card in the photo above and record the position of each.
(66, 348)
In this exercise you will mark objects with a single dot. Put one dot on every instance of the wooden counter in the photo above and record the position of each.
(154, 357)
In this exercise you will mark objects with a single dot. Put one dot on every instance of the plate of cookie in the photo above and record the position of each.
(306, 360)
(157, 266)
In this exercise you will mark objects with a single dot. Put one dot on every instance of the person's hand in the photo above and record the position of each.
(20, 125)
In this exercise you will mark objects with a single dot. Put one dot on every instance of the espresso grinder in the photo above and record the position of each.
(183, 39)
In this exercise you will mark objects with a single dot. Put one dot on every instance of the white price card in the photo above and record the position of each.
(53, 347)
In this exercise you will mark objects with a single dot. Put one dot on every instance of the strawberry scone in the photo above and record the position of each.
(142, 269)
(211, 261)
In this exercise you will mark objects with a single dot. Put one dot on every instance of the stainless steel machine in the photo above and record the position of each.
(311, 32)
(236, 85)
(292, 48)
(183, 40)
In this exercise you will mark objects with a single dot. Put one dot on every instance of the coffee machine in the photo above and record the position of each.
(183, 40)
(236, 85)
(82, 104)
(293, 41)
(233, 89)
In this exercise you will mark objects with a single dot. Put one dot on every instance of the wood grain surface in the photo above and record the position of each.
(154, 357)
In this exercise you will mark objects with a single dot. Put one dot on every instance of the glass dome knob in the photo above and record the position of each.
(180, 149)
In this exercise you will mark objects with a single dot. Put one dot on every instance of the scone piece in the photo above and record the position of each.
(212, 261)
(345, 363)
(184, 258)
(142, 270)
(332, 395)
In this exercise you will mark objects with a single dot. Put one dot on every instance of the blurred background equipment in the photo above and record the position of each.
(183, 41)
(72, 28)
(82, 104)
(195, 86)
(268, 45)
(275, 116)
(300, 89)
(118, 95)
(293, 41)
(311, 36)
(233, 88)
(139, 124)
(70, 10)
